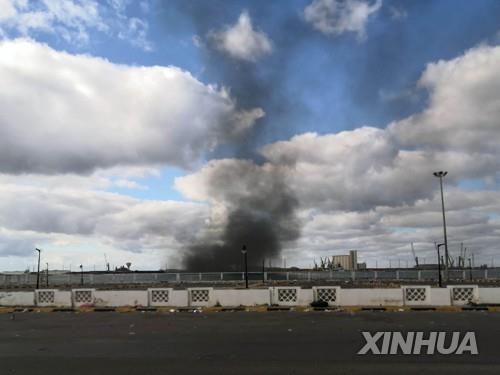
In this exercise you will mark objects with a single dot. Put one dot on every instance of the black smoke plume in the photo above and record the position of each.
(261, 210)
(262, 216)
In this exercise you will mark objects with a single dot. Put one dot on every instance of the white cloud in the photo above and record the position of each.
(73, 20)
(464, 107)
(63, 113)
(241, 41)
(69, 19)
(136, 32)
(398, 13)
(37, 214)
(7, 9)
(335, 17)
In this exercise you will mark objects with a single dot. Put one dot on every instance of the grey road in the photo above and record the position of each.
(234, 343)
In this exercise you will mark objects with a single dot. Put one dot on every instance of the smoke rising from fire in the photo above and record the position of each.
(261, 214)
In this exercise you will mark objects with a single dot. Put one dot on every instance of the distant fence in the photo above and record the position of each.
(7, 280)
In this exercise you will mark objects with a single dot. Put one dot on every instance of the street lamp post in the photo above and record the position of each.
(81, 274)
(470, 269)
(439, 265)
(47, 281)
(244, 252)
(441, 175)
(38, 272)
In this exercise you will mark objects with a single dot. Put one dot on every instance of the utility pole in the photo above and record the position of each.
(441, 175)
(470, 269)
(81, 274)
(38, 272)
(263, 270)
(47, 281)
(439, 265)
(244, 252)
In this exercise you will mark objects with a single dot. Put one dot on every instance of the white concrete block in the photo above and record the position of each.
(440, 297)
(329, 294)
(201, 297)
(242, 297)
(180, 298)
(115, 298)
(306, 296)
(52, 298)
(285, 295)
(63, 298)
(463, 294)
(371, 297)
(416, 295)
(83, 297)
(489, 295)
(17, 298)
(160, 297)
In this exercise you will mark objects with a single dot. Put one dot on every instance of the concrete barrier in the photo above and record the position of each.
(489, 295)
(440, 297)
(52, 298)
(285, 295)
(17, 298)
(463, 294)
(371, 297)
(416, 295)
(83, 297)
(116, 298)
(199, 297)
(242, 297)
(329, 294)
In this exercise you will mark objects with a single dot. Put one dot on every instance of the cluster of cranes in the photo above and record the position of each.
(458, 262)
(326, 263)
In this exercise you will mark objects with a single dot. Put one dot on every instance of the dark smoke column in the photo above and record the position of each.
(262, 216)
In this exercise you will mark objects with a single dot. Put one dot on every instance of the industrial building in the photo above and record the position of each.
(347, 262)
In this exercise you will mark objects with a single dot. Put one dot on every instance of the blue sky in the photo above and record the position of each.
(309, 66)
(360, 82)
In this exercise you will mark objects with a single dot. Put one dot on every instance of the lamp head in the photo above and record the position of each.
(440, 173)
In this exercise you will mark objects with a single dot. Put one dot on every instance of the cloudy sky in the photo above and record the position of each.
(136, 129)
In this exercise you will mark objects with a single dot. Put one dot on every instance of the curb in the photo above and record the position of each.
(299, 309)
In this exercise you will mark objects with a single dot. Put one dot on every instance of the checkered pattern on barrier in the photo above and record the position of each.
(200, 295)
(46, 296)
(159, 295)
(287, 295)
(83, 296)
(415, 294)
(327, 294)
(463, 294)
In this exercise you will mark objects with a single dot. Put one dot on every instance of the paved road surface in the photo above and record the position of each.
(233, 343)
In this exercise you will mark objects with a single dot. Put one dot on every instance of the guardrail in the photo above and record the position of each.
(90, 279)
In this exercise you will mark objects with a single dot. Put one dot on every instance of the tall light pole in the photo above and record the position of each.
(81, 274)
(439, 264)
(38, 272)
(441, 175)
(244, 252)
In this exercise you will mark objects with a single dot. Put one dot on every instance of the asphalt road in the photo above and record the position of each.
(234, 343)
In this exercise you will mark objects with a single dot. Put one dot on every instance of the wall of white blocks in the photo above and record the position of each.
(418, 295)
